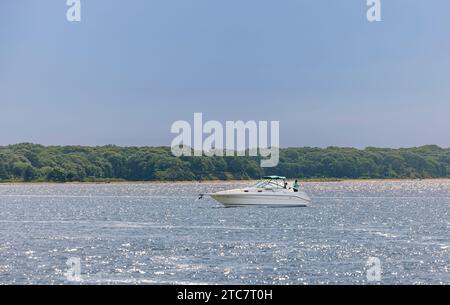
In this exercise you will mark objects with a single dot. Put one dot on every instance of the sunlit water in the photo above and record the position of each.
(161, 233)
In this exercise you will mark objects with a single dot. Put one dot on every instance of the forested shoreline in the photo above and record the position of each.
(32, 162)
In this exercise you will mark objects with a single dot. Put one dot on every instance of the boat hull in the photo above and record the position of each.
(270, 200)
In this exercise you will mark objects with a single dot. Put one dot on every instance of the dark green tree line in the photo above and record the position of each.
(32, 162)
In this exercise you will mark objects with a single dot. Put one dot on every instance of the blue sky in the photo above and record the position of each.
(129, 69)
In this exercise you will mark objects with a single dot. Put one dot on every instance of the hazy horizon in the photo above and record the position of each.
(128, 70)
(281, 147)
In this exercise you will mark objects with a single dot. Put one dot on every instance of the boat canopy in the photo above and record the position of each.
(271, 181)
(274, 177)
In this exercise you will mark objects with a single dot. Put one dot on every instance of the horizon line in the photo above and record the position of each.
(168, 146)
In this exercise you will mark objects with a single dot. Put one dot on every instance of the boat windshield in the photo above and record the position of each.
(274, 183)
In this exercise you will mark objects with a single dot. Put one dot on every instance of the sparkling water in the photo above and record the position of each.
(158, 233)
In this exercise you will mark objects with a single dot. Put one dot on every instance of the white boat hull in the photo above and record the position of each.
(272, 199)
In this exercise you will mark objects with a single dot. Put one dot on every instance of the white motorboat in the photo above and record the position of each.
(271, 191)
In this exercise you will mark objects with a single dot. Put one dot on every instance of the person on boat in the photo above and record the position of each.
(296, 185)
(285, 185)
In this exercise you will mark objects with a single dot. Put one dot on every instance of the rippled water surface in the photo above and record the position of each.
(161, 233)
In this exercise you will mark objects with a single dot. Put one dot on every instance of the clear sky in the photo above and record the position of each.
(129, 69)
